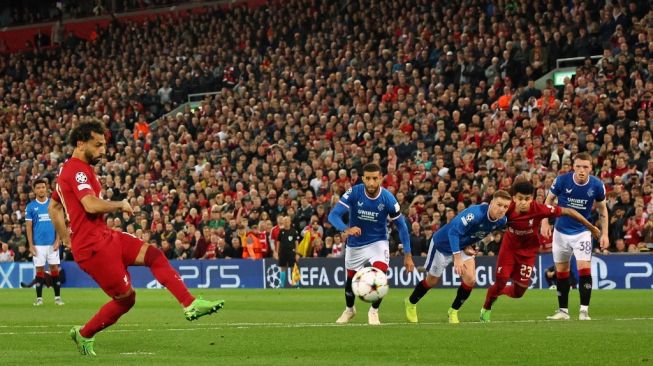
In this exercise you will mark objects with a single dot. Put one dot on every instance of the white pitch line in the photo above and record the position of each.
(303, 325)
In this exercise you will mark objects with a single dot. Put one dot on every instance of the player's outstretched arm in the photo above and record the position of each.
(58, 217)
(94, 205)
(596, 233)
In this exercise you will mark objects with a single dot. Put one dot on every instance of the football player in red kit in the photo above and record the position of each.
(520, 243)
(104, 253)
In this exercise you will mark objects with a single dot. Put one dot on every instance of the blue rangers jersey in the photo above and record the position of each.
(468, 227)
(370, 214)
(42, 227)
(579, 197)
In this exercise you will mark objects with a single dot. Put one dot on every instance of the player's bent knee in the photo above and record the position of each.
(501, 282)
(432, 280)
(562, 267)
(469, 284)
(469, 278)
(126, 300)
(519, 291)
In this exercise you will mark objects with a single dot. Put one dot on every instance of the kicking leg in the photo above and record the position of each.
(168, 277)
(164, 273)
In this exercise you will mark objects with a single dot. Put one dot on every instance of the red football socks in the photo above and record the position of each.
(167, 276)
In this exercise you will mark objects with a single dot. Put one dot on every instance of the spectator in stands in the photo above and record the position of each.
(319, 249)
(168, 250)
(6, 254)
(418, 241)
(22, 254)
(237, 248)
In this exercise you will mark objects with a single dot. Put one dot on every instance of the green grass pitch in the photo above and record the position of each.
(296, 327)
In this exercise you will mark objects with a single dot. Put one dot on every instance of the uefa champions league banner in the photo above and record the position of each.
(12, 274)
(620, 271)
(231, 273)
(330, 273)
(616, 271)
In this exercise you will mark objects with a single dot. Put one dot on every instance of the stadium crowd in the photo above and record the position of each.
(13, 13)
(440, 94)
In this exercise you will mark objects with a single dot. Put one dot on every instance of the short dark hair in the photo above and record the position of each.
(38, 181)
(583, 156)
(84, 132)
(523, 187)
(371, 168)
(502, 194)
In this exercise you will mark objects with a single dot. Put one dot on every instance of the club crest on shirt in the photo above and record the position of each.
(590, 192)
(381, 207)
(467, 219)
(530, 222)
(81, 177)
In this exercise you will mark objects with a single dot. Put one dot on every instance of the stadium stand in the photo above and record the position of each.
(442, 95)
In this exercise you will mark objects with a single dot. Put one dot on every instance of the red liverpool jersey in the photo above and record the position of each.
(76, 180)
(522, 234)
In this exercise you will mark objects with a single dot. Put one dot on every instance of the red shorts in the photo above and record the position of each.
(511, 265)
(108, 263)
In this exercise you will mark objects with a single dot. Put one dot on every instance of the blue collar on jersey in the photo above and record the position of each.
(488, 215)
(377, 196)
(573, 177)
